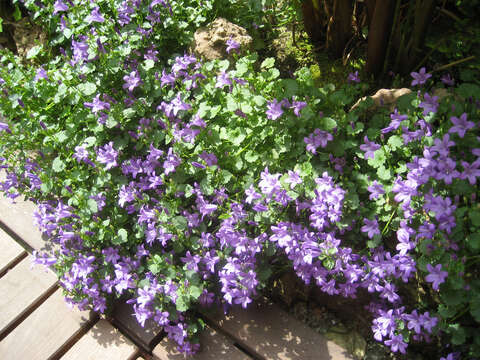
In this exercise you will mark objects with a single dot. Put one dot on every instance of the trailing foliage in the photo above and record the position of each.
(184, 183)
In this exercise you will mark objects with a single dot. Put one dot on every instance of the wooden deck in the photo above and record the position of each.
(35, 322)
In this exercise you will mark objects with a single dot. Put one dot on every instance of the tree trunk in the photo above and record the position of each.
(312, 19)
(378, 35)
(339, 30)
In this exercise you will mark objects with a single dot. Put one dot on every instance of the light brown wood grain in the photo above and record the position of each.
(215, 346)
(44, 332)
(103, 342)
(18, 218)
(269, 332)
(124, 318)
(9, 251)
(20, 288)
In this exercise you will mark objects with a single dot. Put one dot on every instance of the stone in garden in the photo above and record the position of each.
(384, 97)
(210, 42)
(28, 35)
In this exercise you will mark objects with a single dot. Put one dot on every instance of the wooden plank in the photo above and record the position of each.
(265, 330)
(123, 317)
(10, 251)
(104, 342)
(19, 290)
(214, 346)
(18, 218)
(46, 332)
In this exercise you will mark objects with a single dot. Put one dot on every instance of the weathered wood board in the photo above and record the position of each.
(215, 346)
(124, 318)
(20, 288)
(267, 331)
(18, 218)
(102, 342)
(45, 332)
(10, 251)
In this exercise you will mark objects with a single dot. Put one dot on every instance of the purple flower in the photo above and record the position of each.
(209, 158)
(171, 162)
(369, 148)
(222, 80)
(80, 49)
(353, 77)
(471, 171)
(81, 154)
(442, 146)
(274, 109)
(461, 125)
(95, 16)
(167, 79)
(41, 74)
(318, 138)
(293, 179)
(132, 81)
(232, 45)
(429, 104)
(396, 343)
(370, 227)
(376, 190)
(251, 195)
(269, 183)
(97, 105)
(108, 156)
(297, 106)
(421, 77)
(436, 276)
(5, 127)
(395, 123)
(448, 80)
(59, 6)
(178, 105)
(450, 356)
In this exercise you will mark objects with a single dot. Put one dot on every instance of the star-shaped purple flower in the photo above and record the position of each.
(460, 125)
(369, 148)
(436, 276)
(421, 77)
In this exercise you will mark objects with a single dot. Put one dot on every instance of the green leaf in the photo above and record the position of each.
(328, 124)
(90, 141)
(121, 238)
(473, 241)
(58, 165)
(241, 69)
(92, 206)
(17, 14)
(195, 291)
(251, 156)
(384, 173)
(267, 63)
(395, 142)
(1, 27)
(182, 303)
(475, 309)
(34, 51)
(474, 216)
(180, 223)
(129, 113)
(458, 334)
(379, 159)
(87, 88)
(149, 64)
(61, 136)
(452, 298)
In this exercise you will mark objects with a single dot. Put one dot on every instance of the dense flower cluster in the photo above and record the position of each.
(181, 184)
